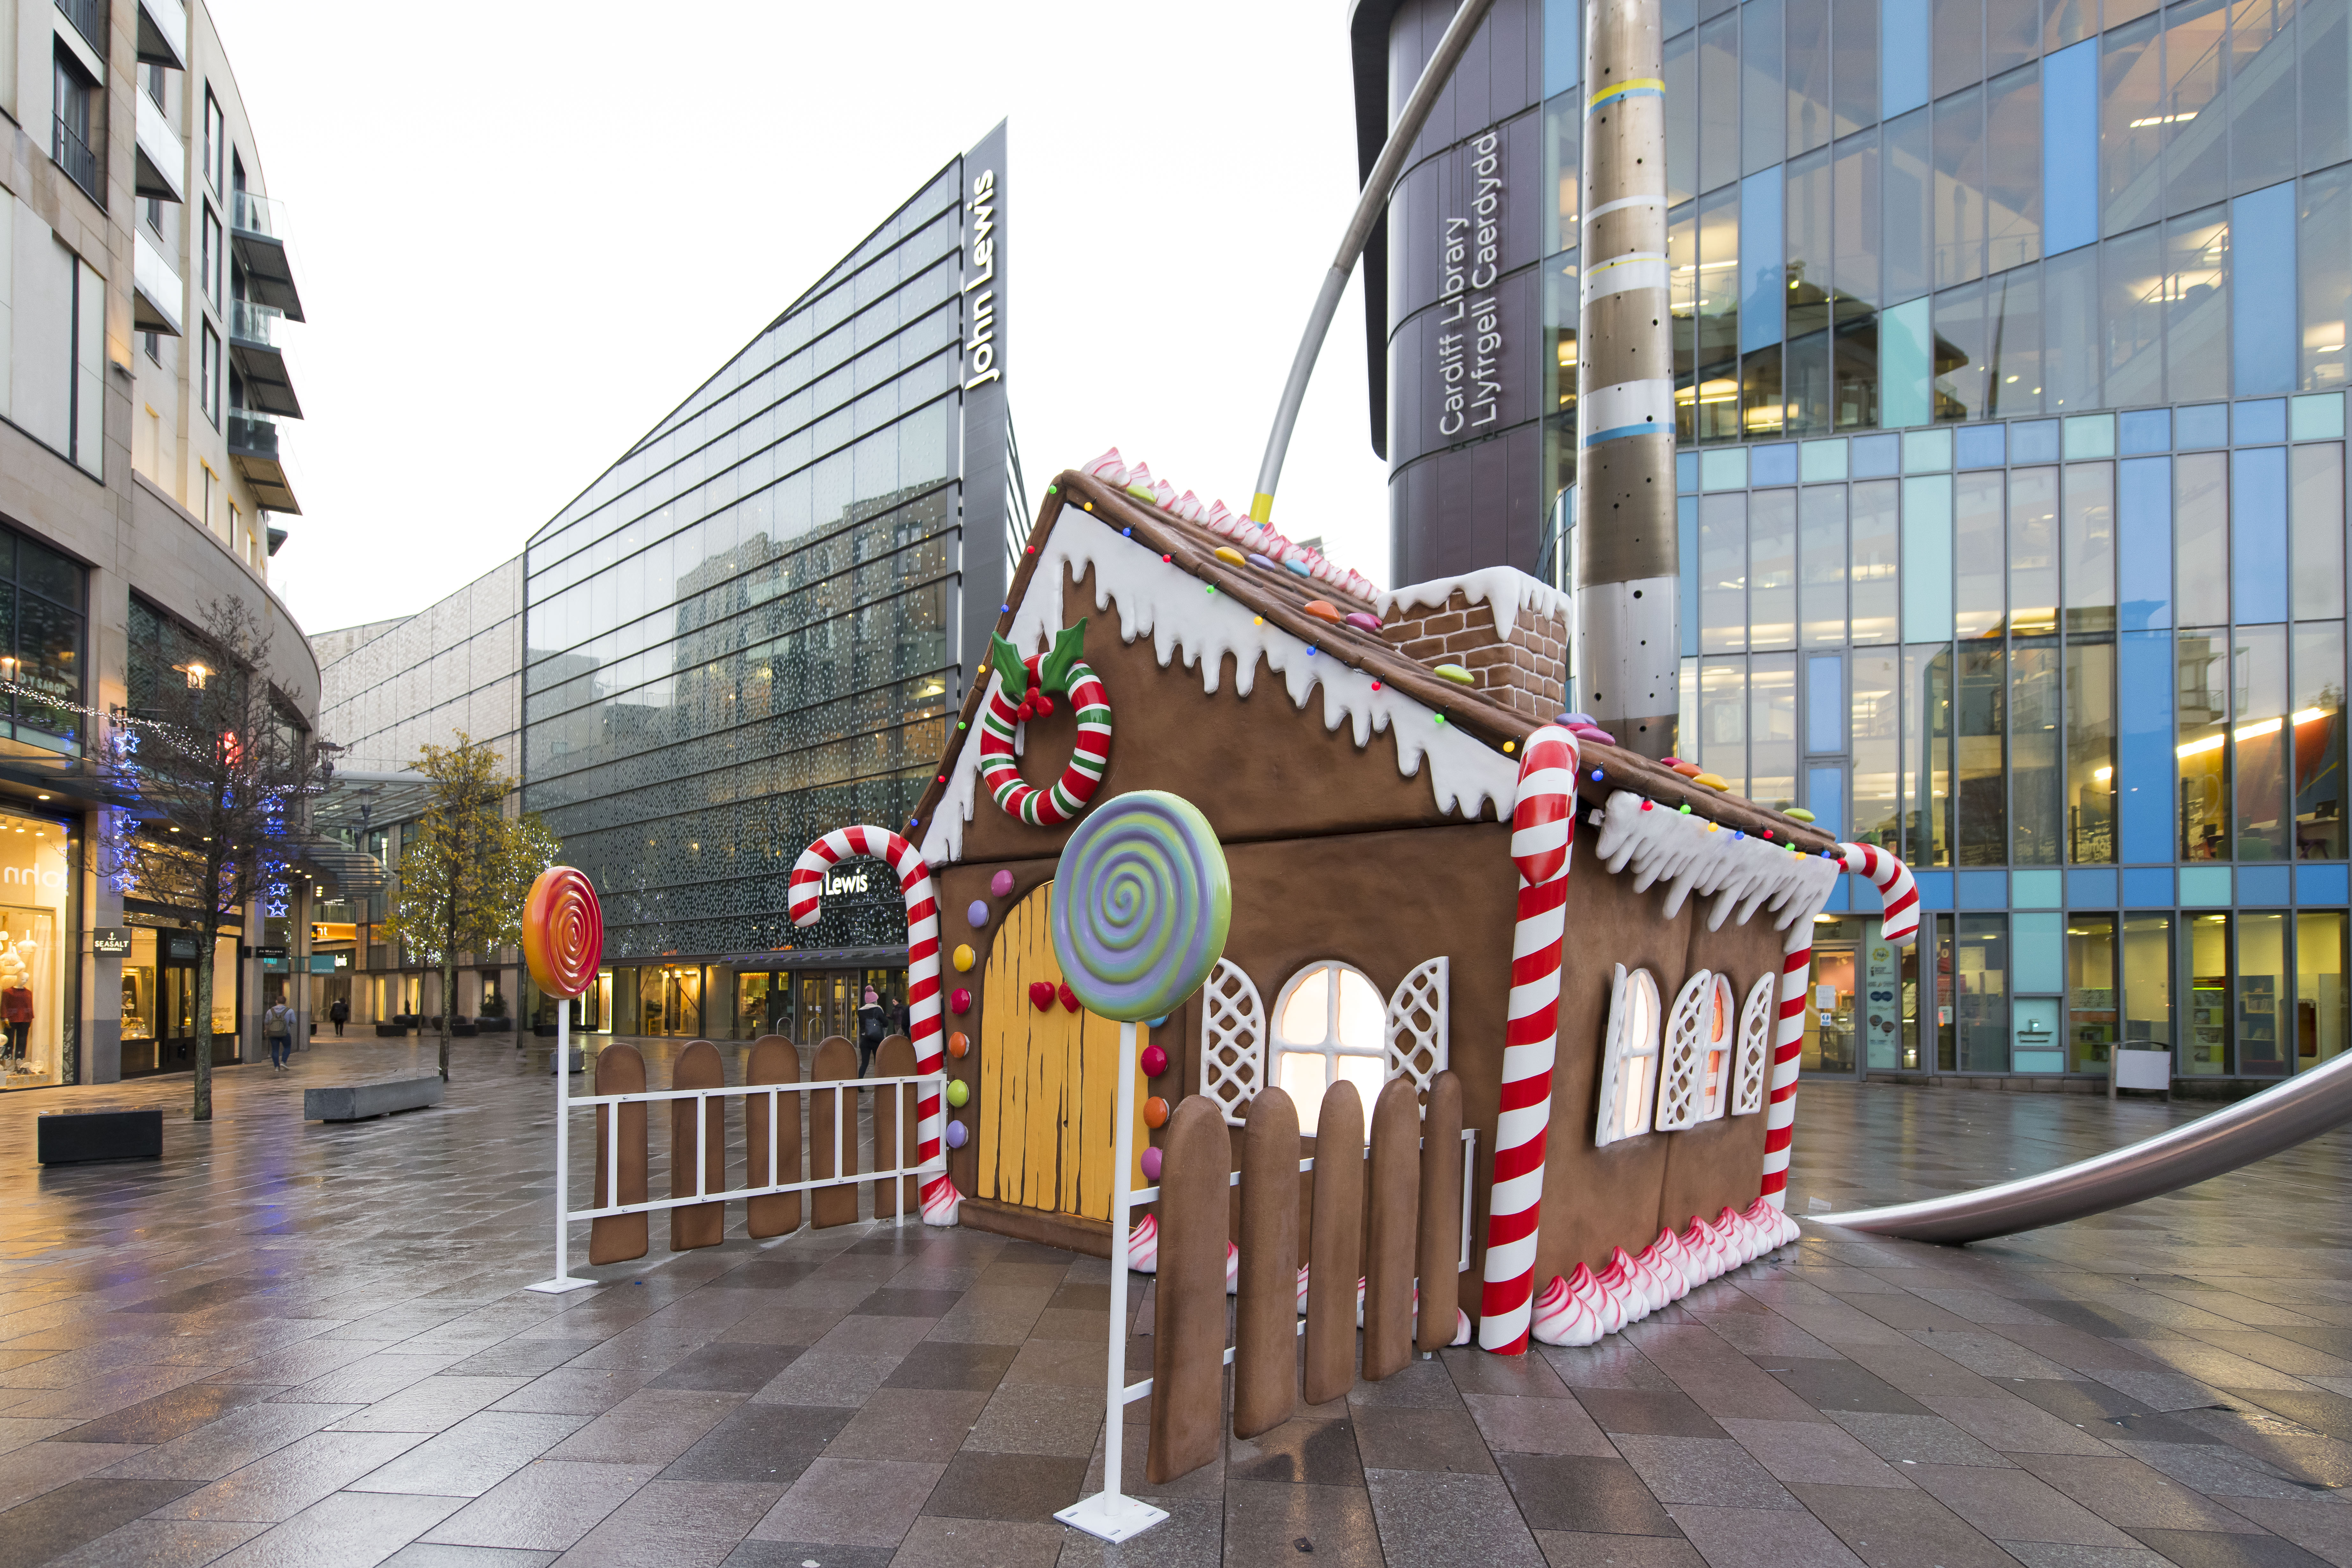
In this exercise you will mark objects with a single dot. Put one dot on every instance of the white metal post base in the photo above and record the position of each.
(1112, 1517)
(563, 1279)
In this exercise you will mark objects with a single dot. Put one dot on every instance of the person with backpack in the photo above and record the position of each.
(871, 1027)
(278, 1025)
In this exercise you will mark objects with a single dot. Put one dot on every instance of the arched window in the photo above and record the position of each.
(1629, 1058)
(1755, 1048)
(1330, 1023)
(1716, 1051)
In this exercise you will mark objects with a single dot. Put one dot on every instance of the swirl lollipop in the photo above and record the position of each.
(1141, 901)
(562, 931)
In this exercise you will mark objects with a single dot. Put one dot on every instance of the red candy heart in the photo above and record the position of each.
(1069, 998)
(1041, 995)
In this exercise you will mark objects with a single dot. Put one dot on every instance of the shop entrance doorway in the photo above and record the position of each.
(1831, 1036)
(159, 999)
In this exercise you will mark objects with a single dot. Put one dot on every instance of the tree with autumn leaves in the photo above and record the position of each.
(465, 871)
(218, 771)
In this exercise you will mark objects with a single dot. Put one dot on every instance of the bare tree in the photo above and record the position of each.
(222, 770)
(464, 878)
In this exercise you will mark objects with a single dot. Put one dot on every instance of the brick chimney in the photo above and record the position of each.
(1508, 630)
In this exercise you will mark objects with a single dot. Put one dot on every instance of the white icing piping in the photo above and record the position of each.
(1506, 591)
(1169, 605)
(1742, 874)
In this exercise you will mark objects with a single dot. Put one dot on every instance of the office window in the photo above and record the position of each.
(1981, 1000)
(2324, 275)
(1821, 566)
(2320, 1016)
(2317, 720)
(2260, 247)
(2012, 169)
(1876, 743)
(2131, 124)
(2032, 551)
(1764, 133)
(215, 145)
(208, 386)
(1808, 66)
(2035, 762)
(2194, 148)
(1980, 552)
(2090, 751)
(1959, 44)
(1772, 729)
(1773, 569)
(2327, 84)
(1722, 734)
(1855, 226)
(2087, 527)
(2201, 710)
(1854, 41)
(1718, 102)
(2090, 991)
(1959, 204)
(2201, 535)
(213, 264)
(1873, 529)
(1723, 573)
(2262, 742)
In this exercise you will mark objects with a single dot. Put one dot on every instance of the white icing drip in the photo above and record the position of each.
(1168, 606)
(1742, 875)
(1506, 591)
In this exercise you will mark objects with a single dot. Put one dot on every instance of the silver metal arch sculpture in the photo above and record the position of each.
(2279, 1118)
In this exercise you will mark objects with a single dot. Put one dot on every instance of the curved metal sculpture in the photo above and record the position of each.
(2279, 1118)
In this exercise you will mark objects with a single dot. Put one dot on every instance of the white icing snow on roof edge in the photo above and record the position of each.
(1506, 591)
(1742, 874)
(1171, 606)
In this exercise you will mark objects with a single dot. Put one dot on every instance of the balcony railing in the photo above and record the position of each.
(253, 214)
(156, 292)
(74, 156)
(161, 155)
(88, 17)
(163, 33)
(249, 323)
(252, 434)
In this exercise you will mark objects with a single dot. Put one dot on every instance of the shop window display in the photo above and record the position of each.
(34, 860)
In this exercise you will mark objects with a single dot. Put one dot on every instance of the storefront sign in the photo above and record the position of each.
(112, 942)
(983, 359)
(1470, 329)
(330, 963)
(263, 952)
(839, 882)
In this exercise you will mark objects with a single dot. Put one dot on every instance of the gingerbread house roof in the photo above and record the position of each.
(1161, 573)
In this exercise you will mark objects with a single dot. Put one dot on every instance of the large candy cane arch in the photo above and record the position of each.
(940, 1198)
(1543, 833)
(1900, 926)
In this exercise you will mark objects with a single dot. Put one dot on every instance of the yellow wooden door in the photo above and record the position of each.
(1047, 1085)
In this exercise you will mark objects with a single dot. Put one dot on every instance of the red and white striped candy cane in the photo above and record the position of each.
(940, 1197)
(1063, 800)
(1543, 833)
(1900, 925)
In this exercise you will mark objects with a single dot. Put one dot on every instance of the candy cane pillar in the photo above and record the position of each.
(1543, 833)
(1900, 925)
(940, 1198)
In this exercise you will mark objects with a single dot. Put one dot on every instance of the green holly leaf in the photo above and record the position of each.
(1009, 668)
(1069, 647)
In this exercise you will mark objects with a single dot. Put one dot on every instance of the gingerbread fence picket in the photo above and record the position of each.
(1385, 1249)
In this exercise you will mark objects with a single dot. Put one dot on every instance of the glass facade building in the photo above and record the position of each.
(2010, 343)
(755, 626)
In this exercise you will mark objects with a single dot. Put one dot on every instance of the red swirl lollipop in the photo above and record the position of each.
(562, 931)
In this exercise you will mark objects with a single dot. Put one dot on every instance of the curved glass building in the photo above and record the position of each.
(2010, 343)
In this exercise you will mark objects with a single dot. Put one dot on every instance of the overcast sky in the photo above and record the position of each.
(523, 232)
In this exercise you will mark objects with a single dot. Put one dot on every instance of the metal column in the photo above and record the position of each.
(1627, 575)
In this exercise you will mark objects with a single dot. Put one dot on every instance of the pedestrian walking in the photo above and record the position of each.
(339, 1015)
(870, 1027)
(278, 1024)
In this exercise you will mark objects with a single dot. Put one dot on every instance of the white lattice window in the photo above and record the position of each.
(1233, 1040)
(1417, 1025)
(1682, 1062)
(1755, 1048)
(1715, 1050)
(1629, 1057)
(1328, 1024)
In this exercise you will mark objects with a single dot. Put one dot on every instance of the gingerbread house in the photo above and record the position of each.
(1360, 755)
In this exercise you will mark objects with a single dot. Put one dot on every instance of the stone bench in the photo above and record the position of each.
(353, 1101)
(70, 1137)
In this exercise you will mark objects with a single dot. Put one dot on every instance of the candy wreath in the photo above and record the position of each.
(1025, 690)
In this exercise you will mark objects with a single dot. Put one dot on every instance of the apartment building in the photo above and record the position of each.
(143, 291)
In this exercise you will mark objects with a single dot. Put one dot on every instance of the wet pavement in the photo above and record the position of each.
(300, 1343)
